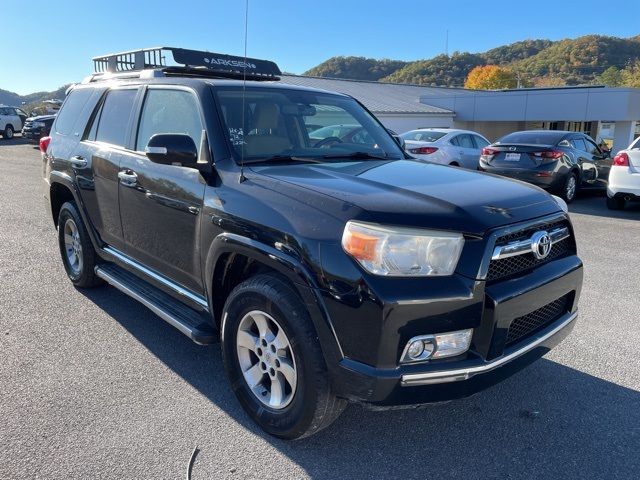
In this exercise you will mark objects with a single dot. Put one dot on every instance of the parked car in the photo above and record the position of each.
(329, 274)
(460, 148)
(37, 127)
(11, 120)
(558, 161)
(624, 178)
(336, 134)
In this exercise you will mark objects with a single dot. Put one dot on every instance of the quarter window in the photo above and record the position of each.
(169, 111)
(71, 110)
(480, 142)
(578, 144)
(114, 117)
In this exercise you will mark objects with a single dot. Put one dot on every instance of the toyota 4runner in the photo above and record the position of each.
(330, 271)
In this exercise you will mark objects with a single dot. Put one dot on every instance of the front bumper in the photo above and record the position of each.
(489, 361)
(32, 134)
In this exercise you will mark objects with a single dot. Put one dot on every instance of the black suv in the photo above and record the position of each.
(556, 160)
(330, 272)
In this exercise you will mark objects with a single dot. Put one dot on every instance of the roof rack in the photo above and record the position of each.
(180, 61)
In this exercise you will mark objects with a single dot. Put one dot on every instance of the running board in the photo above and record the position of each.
(195, 325)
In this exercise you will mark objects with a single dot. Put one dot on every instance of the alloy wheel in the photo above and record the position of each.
(73, 246)
(266, 359)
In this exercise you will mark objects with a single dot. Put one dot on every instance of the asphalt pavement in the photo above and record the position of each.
(94, 385)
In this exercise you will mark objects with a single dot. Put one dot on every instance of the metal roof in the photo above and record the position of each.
(377, 97)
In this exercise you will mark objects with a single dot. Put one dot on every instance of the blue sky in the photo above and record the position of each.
(53, 42)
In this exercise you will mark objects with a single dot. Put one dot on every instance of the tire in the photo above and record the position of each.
(307, 404)
(8, 132)
(78, 255)
(615, 203)
(569, 192)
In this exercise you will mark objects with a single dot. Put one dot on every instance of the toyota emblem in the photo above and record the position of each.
(541, 245)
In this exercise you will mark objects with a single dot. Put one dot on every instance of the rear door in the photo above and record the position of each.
(102, 150)
(464, 150)
(601, 161)
(21, 115)
(584, 159)
(161, 205)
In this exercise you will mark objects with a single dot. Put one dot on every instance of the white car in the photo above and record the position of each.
(624, 177)
(11, 121)
(447, 146)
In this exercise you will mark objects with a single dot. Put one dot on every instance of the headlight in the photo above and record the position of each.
(405, 252)
(561, 203)
(38, 124)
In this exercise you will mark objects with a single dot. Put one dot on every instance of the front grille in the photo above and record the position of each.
(532, 322)
(506, 267)
(28, 124)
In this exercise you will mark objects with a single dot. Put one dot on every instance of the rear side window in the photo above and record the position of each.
(464, 141)
(578, 144)
(71, 110)
(169, 111)
(113, 119)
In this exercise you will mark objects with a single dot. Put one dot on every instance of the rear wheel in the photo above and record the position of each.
(615, 203)
(78, 255)
(570, 187)
(8, 132)
(273, 359)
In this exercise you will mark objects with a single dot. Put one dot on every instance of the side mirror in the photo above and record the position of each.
(399, 140)
(172, 149)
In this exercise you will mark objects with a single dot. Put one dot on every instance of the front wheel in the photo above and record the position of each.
(273, 359)
(570, 188)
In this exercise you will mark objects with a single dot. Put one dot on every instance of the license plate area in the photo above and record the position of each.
(512, 157)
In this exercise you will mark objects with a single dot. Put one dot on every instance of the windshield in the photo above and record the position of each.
(423, 135)
(280, 123)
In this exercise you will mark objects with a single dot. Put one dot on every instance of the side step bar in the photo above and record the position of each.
(195, 325)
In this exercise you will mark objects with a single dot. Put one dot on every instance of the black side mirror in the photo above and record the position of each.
(172, 149)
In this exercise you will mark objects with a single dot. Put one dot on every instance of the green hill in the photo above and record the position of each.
(539, 62)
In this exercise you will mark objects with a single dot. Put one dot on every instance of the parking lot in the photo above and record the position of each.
(94, 385)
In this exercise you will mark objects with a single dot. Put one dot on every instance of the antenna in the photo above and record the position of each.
(244, 89)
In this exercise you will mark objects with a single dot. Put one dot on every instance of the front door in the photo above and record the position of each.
(601, 161)
(161, 205)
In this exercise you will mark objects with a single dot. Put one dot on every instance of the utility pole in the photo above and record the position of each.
(446, 44)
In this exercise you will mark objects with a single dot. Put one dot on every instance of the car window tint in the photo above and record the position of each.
(454, 141)
(533, 137)
(71, 110)
(169, 111)
(592, 148)
(114, 117)
(4, 111)
(578, 144)
(635, 145)
(480, 142)
(465, 141)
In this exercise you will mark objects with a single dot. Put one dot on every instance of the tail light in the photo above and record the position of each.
(489, 151)
(423, 150)
(548, 154)
(44, 144)
(621, 160)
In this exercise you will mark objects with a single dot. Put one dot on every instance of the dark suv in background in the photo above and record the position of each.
(330, 271)
(560, 161)
(37, 127)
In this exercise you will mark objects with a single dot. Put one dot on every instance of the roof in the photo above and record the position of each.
(376, 96)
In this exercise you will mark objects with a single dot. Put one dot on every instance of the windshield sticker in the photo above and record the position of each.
(236, 136)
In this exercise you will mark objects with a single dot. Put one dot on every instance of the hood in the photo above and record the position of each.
(423, 195)
(40, 118)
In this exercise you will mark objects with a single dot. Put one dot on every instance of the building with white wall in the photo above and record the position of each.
(606, 114)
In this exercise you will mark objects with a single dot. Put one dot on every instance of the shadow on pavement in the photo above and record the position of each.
(595, 203)
(549, 421)
(18, 140)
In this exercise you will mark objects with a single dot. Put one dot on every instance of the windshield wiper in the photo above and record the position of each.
(283, 158)
(357, 155)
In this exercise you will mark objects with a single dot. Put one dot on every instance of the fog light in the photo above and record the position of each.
(439, 345)
(415, 349)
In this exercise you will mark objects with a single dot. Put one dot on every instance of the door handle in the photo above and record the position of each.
(128, 178)
(78, 161)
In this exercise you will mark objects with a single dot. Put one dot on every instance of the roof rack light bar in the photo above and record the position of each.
(172, 59)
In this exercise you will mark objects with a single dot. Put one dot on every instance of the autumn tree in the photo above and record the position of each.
(631, 75)
(611, 77)
(491, 77)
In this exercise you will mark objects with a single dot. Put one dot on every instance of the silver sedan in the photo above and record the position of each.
(447, 146)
